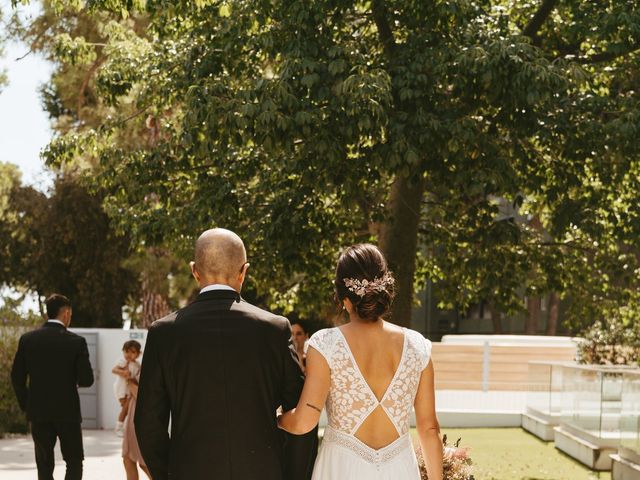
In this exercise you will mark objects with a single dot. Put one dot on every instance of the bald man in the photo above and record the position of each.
(220, 368)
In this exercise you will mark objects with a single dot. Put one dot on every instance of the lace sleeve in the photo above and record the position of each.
(422, 348)
(323, 341)
(426, 352)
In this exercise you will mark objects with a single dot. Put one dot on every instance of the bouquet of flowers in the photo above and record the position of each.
(456, 463)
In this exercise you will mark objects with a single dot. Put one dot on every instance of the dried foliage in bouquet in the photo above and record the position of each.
(456, 463)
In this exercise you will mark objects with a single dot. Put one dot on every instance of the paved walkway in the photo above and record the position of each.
(101, 450)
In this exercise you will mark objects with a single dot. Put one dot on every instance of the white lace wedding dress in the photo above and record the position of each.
(342, 456)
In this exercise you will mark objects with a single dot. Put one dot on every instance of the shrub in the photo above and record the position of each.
(13, 323)
(12, 419)
(615, 342)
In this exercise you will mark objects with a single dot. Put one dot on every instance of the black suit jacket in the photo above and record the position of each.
(220, 368)
(50, 364)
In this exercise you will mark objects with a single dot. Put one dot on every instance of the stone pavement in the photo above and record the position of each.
(101, 450)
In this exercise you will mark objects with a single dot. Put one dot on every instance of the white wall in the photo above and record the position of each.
(511, 340)
(455, 407)
(109, 352)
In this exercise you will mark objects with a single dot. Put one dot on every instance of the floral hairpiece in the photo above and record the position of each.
(364, 286)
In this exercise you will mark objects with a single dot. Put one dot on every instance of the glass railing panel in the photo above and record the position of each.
(610, 411)
(591, 399)
(555, 394)
(539, 391)
(630, 412)
(582, 411)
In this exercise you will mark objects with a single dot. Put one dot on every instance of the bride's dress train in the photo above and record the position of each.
(342, 455)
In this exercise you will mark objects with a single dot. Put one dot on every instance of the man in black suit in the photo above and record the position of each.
(56, 362)
(220, 368)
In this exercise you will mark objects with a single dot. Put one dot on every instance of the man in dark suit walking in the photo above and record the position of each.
(50, 364)
(220, 368)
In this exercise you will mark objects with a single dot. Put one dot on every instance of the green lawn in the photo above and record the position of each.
(513, 454)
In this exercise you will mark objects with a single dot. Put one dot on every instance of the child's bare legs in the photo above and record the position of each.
(124, 410)
(124, 404)
(130, 468)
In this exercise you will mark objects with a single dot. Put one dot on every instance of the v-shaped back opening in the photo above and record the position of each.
(376, 428)
(361, 375)
(377, 431)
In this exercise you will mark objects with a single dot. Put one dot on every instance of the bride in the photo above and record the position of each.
(371, 374)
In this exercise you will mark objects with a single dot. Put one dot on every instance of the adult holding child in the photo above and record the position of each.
(127, 368)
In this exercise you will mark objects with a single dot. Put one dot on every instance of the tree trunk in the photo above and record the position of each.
(496, 318)
(554, 306)
(399, 242)
(43, 314)
(154, 304)
(533, 306)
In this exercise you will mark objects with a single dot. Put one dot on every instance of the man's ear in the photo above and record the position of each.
(243, 272)
(194, 272)
(67, 317)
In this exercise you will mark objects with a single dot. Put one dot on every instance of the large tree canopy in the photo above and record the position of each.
(489, 144)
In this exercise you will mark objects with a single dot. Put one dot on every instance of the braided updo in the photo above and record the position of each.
(364, 264)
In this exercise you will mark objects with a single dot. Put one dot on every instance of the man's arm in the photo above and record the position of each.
(299, 450)
(153, 411)
(84, 372)
(19, 376)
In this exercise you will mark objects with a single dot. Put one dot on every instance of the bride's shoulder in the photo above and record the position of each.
(415, 336)
(417, 341)
(324, 335)
(324, 340)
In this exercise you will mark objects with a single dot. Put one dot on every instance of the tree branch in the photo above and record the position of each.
(567, 244)
(534, 25)
(85, 83)
(607, 56)
(565, 49)
(32, 47)
(379, 11)
(132, 116)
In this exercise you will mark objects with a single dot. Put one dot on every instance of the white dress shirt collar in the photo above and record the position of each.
(55, 320)
(217, 286)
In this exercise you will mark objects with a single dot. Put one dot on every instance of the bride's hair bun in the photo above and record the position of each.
(363, 277)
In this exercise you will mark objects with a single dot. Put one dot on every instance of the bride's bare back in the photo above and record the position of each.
(377, 353)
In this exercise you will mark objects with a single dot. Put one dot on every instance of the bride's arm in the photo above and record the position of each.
(306, 415)
(427, 424)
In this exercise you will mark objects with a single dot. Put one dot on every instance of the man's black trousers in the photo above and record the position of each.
(45, 435)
